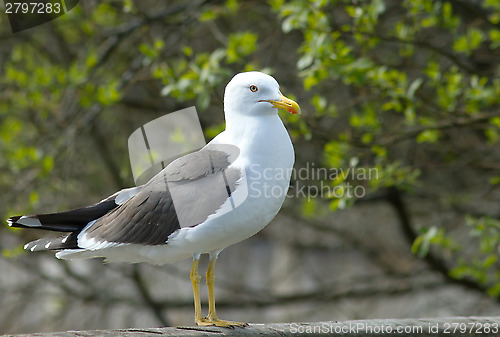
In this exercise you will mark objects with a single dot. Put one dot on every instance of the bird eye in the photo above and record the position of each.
(253, 88)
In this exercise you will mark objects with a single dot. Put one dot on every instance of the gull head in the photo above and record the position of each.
(256, 93)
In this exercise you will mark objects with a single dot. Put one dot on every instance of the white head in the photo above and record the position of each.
(255, 93)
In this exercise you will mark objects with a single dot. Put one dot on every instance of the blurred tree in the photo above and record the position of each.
(421, 99)
(399, 98)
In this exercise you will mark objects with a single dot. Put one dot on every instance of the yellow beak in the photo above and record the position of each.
(286, 104)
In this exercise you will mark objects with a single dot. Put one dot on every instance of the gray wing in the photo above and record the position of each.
(183, 194)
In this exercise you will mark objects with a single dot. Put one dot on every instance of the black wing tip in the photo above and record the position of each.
(25, 221)
(12, 221)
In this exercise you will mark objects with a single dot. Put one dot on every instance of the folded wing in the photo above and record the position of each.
(184, 194)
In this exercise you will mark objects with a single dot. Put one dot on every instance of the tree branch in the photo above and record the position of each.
(395, 199)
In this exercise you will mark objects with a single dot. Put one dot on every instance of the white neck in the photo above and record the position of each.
(263, 139)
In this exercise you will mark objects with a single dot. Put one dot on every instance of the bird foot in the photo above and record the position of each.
(220, 323)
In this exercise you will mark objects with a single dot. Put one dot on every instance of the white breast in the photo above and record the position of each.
(266, 158)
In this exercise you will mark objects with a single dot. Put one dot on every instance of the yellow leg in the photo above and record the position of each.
(195, 280)
(210, 276)
(212, 317)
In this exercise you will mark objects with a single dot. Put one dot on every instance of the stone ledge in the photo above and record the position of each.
(453, 326)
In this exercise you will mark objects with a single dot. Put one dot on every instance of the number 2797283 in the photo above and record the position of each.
(32, 8)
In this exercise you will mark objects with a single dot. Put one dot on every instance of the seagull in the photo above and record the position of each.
(199, 204)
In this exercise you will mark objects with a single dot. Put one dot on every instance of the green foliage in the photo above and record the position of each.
(349, 51)
(214, 130)
(406, 88)
(189, 80)
(395, 174)
(44, 92)
(240, 45)
(432, 236)
(414, 82)
(469, 42)
(475, 262)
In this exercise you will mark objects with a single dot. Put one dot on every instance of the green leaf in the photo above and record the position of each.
(428, 136)
(33, 198)
(305, 61)
(240, 45)
(494, 291)
(495, 38)
(208, 15)
(414, 87)
(469, 42)
(422, 243)
(48, 164)
(337, 204)
(276, 4)
(433, 71)
(495, 180)
(232, 5)
(187, 50)
(309, 207)
(490, 260)
(319, 102)
(310, 81)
